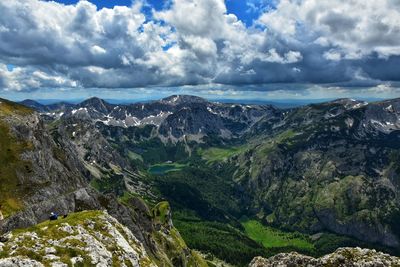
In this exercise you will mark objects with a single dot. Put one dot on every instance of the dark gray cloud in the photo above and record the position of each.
(196, 42)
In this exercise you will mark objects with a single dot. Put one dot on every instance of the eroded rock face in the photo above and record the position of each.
(341, 257)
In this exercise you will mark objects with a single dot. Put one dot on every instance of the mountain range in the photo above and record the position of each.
(311, 178)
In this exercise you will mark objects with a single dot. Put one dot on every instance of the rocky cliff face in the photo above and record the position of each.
(37, 176)
(43, 170)
(341, 257)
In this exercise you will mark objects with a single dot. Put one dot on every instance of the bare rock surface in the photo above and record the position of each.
(352, 257)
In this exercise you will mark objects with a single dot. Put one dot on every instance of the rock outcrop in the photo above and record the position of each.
(89, 238)
(351, 257)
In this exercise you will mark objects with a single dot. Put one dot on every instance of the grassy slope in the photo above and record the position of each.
(214, 154)
(77, 218)
(272, 237)
(68, 245)
(163, 168)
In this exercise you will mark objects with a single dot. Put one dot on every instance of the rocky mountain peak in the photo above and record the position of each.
(183, 99)
(96, 103)
(349, 103)
(30, 102)
(342, 104)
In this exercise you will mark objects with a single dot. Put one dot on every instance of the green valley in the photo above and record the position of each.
(209, 211)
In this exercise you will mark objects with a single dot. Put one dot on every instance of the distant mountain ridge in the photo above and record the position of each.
(280, 103)
(194, 116)
(157, 112)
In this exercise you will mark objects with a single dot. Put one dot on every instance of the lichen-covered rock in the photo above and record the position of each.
(355, 257)
(95, 238)
(92, 238)
(20, 262)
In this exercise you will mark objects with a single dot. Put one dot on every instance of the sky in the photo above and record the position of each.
(233, 49)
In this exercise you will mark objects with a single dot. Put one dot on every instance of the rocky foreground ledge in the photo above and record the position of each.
(351, 257)
(89, 238)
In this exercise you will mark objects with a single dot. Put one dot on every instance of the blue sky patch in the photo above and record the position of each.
(246, 11)
(10, 67)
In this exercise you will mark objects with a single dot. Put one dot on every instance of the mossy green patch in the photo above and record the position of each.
(273, 238)
(222, 240)
(196, 260)
(11, 190)
(163, 168)
(126, 197)
(134, 156)
(45, 228)
(37, 236)
(215, 154)
(161, 212)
